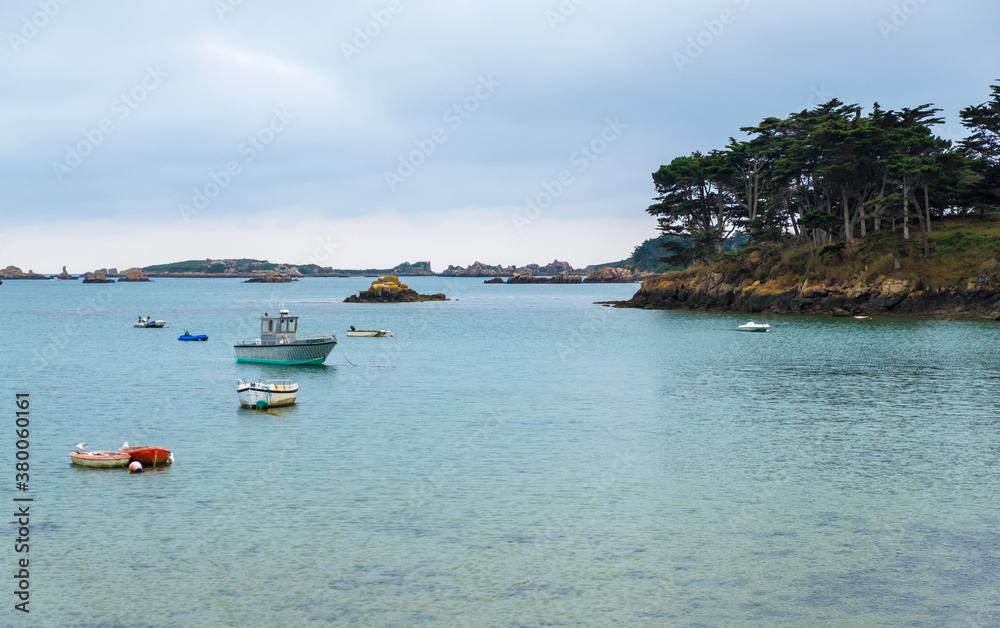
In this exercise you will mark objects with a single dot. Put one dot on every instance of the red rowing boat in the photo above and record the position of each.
(148, 455)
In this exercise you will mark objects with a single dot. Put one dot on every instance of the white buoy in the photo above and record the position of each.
(135, 467)
(170, 459)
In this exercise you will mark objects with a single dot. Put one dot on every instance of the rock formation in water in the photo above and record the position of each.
(562, 277)
(133, 274)
(13, 272)
(97, 276)
(389, 289)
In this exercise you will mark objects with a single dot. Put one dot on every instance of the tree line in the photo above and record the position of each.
(831, 174)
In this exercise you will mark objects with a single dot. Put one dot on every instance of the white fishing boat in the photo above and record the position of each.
(752, 326)
(367, 333)
(279, 345)
(260, 393)
(146, 322)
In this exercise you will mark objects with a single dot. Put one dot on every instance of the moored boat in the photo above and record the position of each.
(187, 336)
(752, 326)
(279, 345)
(147, 455)
(99, 459)
(367, 333)
(146, 322)
(260, 394)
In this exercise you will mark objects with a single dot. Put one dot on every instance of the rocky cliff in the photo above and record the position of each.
(876, 295)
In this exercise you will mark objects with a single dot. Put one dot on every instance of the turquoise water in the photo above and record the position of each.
(514, 457)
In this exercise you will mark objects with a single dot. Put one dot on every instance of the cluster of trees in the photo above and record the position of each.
(831, 174)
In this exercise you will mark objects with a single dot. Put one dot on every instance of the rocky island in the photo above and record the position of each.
(389, 289)
(98, 276)
(132, 275)
(13, 272)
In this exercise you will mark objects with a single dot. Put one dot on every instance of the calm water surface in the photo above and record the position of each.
(514, 457)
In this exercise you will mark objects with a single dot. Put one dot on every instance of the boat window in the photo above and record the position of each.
(292, 324)
(267, 326)
(282, 326)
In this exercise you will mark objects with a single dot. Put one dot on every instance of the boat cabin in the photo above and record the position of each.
(278, 329)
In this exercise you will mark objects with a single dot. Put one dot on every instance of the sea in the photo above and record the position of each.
(517, 456)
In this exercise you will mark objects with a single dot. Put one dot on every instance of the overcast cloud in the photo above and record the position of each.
(154, 131)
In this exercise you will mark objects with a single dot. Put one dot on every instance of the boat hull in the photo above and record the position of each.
(259, 395)
(193, 338)
(755, 329)
(290, 354)
(368, 333)
(99, 459)
(148, 456)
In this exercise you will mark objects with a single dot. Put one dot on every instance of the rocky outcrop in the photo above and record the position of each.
(97, 276)
(562, 277)
(494, 280)
(616, 275)
(13, 272)
(877, 295)
(271, 278)
(478, 269)
(65, 275)
(133, 274)
(389, 289)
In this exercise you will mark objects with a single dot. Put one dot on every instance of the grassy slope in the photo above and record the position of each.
(961, 249)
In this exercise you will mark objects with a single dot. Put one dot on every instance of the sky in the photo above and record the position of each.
(366, 134)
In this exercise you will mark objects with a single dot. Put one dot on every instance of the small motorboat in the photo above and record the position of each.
(752, 326)
(367, 333)
(187, 336)
(148, 456)
(146, 322)
(99, 459)
(260, 394)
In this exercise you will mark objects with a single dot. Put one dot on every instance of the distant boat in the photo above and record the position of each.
(187, 336)
(278, 345)
(271, 393)
(148, 456)
(99, 459)
(367, 333)
(145, 322)
(752, 326)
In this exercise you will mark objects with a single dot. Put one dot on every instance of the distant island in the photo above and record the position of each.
(250, 268)
(843, 214)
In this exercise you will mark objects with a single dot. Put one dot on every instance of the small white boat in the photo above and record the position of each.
(99, 459)
(260, 394)
(367, 333)
(145, 322)
(752, 326)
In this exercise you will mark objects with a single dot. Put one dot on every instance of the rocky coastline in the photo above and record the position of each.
(880, 295)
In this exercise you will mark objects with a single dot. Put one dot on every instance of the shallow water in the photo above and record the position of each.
(514, 457)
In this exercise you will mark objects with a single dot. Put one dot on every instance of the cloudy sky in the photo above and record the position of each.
(369, 133)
